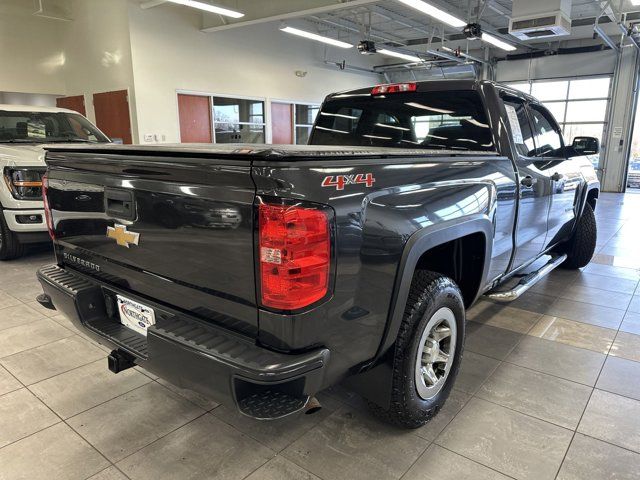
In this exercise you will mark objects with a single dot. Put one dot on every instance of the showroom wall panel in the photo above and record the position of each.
(32, 52)
(98, 52)
(170, 54)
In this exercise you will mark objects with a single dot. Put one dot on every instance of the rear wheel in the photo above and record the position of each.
(428, 351)
(10, 247)
(582, 244)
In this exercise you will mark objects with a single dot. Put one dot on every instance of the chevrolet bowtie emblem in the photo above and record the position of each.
(121, 236)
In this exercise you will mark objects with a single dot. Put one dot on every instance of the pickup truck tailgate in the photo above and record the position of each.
(173, 228)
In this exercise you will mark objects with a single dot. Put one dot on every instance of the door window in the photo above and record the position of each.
(546, 134)
(520, 127)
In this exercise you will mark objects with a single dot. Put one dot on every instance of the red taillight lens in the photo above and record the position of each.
(47, 209)
(295, 255)
(394, 88)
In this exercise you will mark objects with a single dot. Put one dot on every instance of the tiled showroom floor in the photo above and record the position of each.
(549, 388)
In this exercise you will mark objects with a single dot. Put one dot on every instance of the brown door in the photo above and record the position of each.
(195, 118)
(282, 123)
(112, 114)
(72, 103)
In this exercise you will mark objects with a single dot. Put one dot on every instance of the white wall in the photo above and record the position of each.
(556, 66)
(31, 50)
(98, 52)
(170, 53)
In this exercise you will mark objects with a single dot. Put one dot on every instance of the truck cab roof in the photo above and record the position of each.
(443, 85)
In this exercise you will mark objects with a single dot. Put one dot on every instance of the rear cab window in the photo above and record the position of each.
(440, 120)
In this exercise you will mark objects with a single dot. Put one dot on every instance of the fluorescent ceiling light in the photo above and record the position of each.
(496, 42)
(404, 56)
(209, 8)
(435, 12)
(315, 36)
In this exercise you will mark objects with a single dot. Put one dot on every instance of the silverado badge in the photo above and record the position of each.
(122, 237)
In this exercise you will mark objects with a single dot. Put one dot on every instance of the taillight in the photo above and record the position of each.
(394, 88)
(47, 209)
(295, 255)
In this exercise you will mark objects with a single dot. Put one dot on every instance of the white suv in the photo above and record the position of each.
(24, 130)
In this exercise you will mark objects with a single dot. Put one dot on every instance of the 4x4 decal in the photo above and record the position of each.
(339, 181)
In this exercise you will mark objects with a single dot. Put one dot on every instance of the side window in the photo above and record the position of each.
(520, 127)
(548, 140)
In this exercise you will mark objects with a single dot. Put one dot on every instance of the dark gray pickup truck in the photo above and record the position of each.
(260, 274)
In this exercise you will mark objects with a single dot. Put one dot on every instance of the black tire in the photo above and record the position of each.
(582, 244)
(429, 293)
(10, 247)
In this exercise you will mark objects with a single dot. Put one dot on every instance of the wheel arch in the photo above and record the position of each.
(373, 381)
(421, 243)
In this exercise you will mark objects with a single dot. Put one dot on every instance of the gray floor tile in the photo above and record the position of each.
(48, 360)
(352, 445)
(500, 316)
(620, 376)
(40, 309)
(596, 296)
(128, 423)
(18, 315)
(534, 302)
(490, 341)
(279, 468)
(474, 370)
(457, 399)
(626, 345)
(111, 473)
(612, 271)
(612, 284)
(592, 459)
(564, 361)
(634, 306)
(537, 394)
(551, 286)
(204, 448)
(614, 419)
(7, 300)
(438, 463)
(55, 453)
(194, 397)
(278, 434)
(587, 313)
(576, 334)
(510, 442)
(24, 337)
(83, 388)
(22, 414)
(631, 323)
(8, 383)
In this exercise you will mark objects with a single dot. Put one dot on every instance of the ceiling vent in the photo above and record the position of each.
(540, 19)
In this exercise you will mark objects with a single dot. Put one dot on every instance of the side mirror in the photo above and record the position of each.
(585, 146)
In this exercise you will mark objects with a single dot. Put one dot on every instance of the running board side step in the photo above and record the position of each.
(527, 282)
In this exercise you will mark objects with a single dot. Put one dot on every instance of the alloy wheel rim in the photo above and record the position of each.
(436, 352)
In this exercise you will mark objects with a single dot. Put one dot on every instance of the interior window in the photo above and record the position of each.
(520, 127)
(547, 139)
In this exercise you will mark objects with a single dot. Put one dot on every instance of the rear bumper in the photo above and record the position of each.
(191, 353)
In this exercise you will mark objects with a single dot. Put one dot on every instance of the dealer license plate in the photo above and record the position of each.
(135, 316)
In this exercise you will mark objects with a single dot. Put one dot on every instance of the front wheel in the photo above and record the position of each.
(428, 351)
(10, 247)
(582, 244)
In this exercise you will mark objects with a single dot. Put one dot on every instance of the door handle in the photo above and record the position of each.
(556, 177)
(527, 181)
